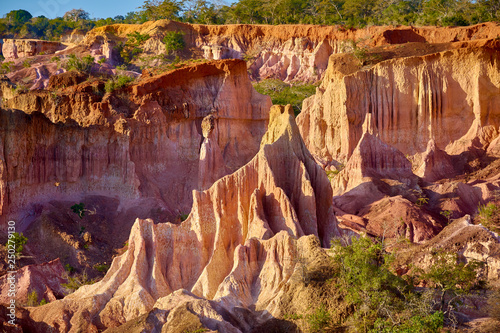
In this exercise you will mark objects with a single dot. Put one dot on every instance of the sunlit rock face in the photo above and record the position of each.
(141, 142)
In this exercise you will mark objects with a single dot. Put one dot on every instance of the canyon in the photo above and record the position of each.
(212, 209)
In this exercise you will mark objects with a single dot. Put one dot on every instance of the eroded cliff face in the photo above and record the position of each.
(238, 246)
(287, 52)
(449, 97)
(20, 48)
(300, 52)
(140, 142)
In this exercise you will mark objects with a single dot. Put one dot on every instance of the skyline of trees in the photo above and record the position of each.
(349, 13)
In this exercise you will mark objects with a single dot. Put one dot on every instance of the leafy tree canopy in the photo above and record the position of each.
(76, 15)
(18, 17)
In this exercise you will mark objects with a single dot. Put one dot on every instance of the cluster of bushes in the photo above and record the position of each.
(283, 93)
(489, 216)
(117, 82)
(83, 65)
(378, 300)
(132, 47)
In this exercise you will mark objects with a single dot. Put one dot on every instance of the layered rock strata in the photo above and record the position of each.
(142, 141)
(235, 252)
(290, 52)
(42, 280)
(21, 48)
(449, 97)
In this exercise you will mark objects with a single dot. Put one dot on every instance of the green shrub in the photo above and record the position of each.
(416, 324)
(19, 89)
(422, 201)
(384, 302)
(101, 268)
(174, 41)
(131, 48)
(319, 320)
(451, 281)
(83, 65)
(282, 93)
(32, 298)
(332, 173)
(489, 215)
(79, 209)
(117, 82)
(6, 67)
(136, 38)
(447, 214)
(18, 240)
(75, 282)
(26, 63)
(371, 288)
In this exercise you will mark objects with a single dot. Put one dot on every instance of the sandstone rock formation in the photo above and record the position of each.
(409, 140)
(238, 247)
(141, 143)
(44, 279)
(449, 97)
(436, 164)
(376, 127)
(291, 52)
(212, 166)
(20, 48)
(372, 158)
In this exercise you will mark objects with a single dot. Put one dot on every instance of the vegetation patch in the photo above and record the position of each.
(489, 216)
(17, 241)
(76, 281)
(82, 65)
(174, 42)
(382, 301)
(283, 93)
(117, 82)
(132, 47)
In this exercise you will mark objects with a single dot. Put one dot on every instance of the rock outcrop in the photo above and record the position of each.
(436, 164)
(450, 97)
(43, 279)
(237, 248)
(469, 241)
(20, 48)
(143, 142)
(288, 52)
(372, 158)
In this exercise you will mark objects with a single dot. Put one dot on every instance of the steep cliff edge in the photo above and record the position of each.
(142, 142)
(381, 119)
(450, 97)
(238, 246)
(20, 48)
(288, 52)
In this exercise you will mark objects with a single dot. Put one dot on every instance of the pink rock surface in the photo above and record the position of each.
(435, 164)
(372, 158)
(77, 142)
(237, 246)
(450, 97)
(45, 279)
(20, 48)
